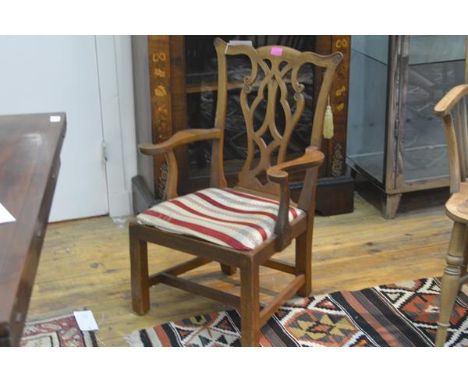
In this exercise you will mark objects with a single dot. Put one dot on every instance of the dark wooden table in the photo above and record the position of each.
(30, 148)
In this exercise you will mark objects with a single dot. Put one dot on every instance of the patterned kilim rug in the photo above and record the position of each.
(60, 331)
(402, 314)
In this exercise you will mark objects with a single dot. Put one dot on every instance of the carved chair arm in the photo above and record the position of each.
(178, 139)
(167, 148)
(310, 161)
(445, 105)
(279, 173)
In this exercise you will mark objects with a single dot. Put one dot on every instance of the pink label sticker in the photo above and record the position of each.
(276, 51)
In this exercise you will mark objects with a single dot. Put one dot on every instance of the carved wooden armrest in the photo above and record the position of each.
(178, 139)
(279, 173)
(310, 162)
(445, 105)
(167, 148)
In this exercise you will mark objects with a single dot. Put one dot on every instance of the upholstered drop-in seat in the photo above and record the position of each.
(225, 217)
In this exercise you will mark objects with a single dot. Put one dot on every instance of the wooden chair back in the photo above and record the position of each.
(274, 69)
(452, 108)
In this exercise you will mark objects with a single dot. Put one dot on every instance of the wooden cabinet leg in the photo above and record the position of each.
(450, 281)
(250, 305)
(228, 269)
(139, 275)
(392, 201)
(304, 261)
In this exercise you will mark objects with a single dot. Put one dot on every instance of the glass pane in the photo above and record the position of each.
(368, 104)
(436, 64)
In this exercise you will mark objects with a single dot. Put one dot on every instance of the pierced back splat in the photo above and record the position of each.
(272, 68)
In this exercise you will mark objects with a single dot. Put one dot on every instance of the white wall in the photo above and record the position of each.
(114, 55)
(89, 78)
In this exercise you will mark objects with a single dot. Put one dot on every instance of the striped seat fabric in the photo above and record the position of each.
(225, 217)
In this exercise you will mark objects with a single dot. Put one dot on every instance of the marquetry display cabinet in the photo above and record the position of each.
(175, 89)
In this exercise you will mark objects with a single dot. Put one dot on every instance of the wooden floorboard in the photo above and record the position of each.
(85, 263)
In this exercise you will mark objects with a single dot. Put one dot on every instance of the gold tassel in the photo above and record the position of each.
(328, 122)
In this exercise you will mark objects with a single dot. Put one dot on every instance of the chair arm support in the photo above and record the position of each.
(310, 161)
(178, 139)
(445, 105)
(167, 148)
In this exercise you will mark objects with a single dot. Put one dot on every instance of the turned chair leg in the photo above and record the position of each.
(228, 269)
(465, 255)
(304, 261)
(250, 305)
(451, 280)
(139, 275)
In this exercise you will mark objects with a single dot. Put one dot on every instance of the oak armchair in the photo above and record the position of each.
(244, 226)
(452, 108)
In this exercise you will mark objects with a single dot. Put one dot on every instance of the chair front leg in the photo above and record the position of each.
(139, 274)
(307, 201)
(451, 280)
(250, 305)
(304, 259)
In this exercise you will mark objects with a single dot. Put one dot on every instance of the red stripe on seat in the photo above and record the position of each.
(294, 212)
(198, 213)
(254, 197)
(230, 241)
(219, 205)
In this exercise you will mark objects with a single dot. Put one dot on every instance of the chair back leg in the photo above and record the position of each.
(228, 269)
